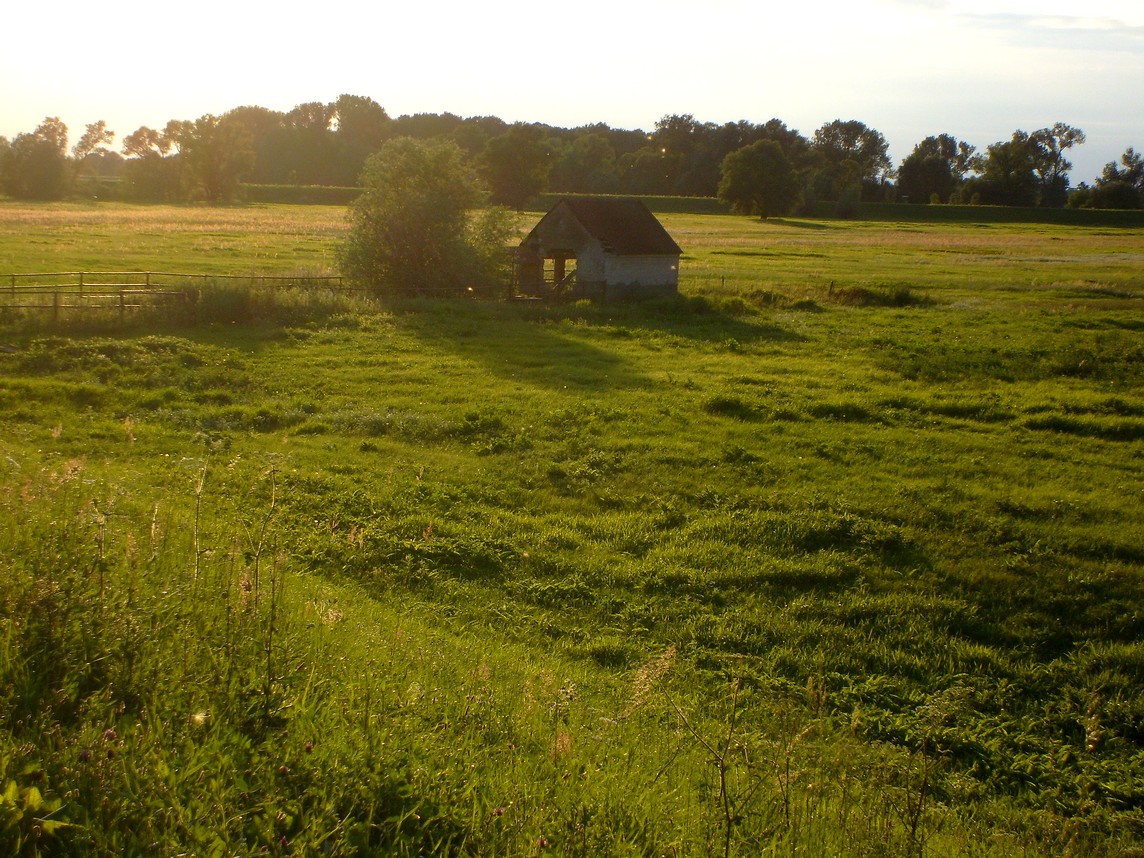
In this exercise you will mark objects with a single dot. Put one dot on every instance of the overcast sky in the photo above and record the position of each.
(977, 69)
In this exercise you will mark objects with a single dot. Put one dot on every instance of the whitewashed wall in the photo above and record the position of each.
(642, 270)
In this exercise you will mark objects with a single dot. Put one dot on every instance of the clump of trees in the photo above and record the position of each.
(206, 159)
(759, 180)
(38, 166)
(1120, 186)
(935, 170)
(327, 144)
(1029, 169)
(847, 162)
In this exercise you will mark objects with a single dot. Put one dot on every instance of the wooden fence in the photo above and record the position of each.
(124, 291)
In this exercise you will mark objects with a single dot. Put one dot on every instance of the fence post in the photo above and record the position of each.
(81, 283)
(147, 280)
(122, 307)
(56, 306)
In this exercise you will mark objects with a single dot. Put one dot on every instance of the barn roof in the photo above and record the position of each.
(625, 226)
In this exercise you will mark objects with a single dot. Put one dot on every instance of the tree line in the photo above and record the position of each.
(762, 169)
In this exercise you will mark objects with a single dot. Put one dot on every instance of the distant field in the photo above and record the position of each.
(946, 261)
(723, 254)
(842, 553)
(110, 237)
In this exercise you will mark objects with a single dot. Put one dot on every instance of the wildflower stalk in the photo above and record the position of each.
(274, 595)
(260, 544)
(721, 755)
(199, 485)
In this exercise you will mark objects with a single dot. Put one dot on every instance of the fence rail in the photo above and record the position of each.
(121, 291)
(80, 280)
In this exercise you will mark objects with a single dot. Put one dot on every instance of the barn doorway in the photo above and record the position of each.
(552, 273)
(560, 271)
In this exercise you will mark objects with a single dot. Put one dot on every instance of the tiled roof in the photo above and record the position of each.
(625, 226)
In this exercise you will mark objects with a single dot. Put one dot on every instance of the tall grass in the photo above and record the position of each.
(766, 569)
(194, 303)
(171, 685)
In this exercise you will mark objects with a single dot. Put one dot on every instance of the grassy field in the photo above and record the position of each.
(121, 237)
(839, 554)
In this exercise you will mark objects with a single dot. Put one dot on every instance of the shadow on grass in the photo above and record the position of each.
(1122, 324)
(578, 345)
(694, 318)
(506, 342)
(550, 344)
(581, 345)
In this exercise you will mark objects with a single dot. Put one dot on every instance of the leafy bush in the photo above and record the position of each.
(863, 296)
(412, 231)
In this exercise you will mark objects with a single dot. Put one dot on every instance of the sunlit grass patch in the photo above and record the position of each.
(438, 577)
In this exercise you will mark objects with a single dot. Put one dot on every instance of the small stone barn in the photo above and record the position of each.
(604, 248)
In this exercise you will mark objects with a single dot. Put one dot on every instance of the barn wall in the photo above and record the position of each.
(591, 263)
(621, 277)
(661, 271)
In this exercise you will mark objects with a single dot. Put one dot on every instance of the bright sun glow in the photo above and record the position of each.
(977, 69)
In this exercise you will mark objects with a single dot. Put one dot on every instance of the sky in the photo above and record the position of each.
(976, 69)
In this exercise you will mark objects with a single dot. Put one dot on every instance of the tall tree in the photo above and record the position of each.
(799, 150)
(361, 121)
(759, 180)
(474, 133)
(176, 133)
(270, 144)
(149, 174)
(1120, 186)
(1050, 164)
(361, 126)
(1131, 170)
(516, 164)
(301, 148)
(677, 133)
(586, 164)
(95, 136)
(144, 141)
(1007, 172)
(663, 158)
(649, 170)
(311, 116)
(54, 132)
(35, 164)
(852, 152)
(936, 167)
(215, 152)
(696, 150)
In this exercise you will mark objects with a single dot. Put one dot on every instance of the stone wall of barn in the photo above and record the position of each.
(600, 275)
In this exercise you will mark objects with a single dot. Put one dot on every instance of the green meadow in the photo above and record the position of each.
(840, 553)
